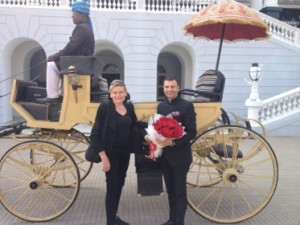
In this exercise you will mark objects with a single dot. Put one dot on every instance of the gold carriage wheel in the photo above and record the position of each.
(27, 169)
(246, 169)
(73, 142)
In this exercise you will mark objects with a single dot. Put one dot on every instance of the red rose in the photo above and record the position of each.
(168, 127)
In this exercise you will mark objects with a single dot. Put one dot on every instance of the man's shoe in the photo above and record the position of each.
(49, 100)
(120, 222)
(169, 222)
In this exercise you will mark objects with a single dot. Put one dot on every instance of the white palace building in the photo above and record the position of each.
(140, 41)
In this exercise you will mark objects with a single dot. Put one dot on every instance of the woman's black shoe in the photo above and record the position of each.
(169, 222)
(121, 222)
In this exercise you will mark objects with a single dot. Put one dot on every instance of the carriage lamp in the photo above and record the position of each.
(255, 72)
(73, 80)
(253, 103)
(73, 77)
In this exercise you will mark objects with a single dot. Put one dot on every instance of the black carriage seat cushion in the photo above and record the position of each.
(27, 92)
(86, 65)
(21, 88)
(210, 86)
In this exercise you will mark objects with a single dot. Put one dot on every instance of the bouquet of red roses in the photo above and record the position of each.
(159, 129)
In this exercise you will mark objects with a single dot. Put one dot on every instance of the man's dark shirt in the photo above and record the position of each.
(183, 111)
(82, 43)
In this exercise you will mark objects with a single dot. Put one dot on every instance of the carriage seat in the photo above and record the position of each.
(210, 86)
(27, 93)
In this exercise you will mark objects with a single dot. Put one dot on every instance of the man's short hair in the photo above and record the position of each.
(171, 77)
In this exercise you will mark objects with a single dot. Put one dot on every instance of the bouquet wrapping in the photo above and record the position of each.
(159, 129)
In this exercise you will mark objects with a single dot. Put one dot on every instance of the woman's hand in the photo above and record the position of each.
(147, 139)
(105, 161)
(166, 142)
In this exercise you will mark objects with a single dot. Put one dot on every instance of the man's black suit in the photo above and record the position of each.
(176, 160)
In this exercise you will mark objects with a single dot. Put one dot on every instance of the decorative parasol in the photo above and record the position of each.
(229, 21)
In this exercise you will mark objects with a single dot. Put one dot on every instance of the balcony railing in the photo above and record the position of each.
(282, 31)
(165, 6)
(278, 29)
(280, 106)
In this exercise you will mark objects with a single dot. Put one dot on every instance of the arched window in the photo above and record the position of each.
(111, 69)
(111, 72)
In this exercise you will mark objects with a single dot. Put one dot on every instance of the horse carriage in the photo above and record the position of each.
(233, 175)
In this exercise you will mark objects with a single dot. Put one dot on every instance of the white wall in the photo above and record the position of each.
(140, 37)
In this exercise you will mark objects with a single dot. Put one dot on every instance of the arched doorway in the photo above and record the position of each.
(179, 60)
(168, 64)
(22, 57)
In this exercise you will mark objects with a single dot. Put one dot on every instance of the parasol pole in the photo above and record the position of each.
(220, 46)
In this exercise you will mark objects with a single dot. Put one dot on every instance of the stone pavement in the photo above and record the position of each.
(88, 209)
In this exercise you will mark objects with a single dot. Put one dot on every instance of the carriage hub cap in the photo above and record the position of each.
(34, 184)
(230, 175)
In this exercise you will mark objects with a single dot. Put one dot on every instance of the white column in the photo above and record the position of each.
(7, 114)
(253, 103)
(269, 3)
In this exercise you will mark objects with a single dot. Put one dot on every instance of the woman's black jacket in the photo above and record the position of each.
(103, 134)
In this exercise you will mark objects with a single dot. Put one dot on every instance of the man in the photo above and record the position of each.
(177, 154)
(81, 43)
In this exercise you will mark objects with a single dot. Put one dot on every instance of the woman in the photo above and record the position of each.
(114, 145)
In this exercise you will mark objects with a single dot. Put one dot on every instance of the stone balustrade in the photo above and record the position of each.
(165, 6)
(282, 30)
(280, 106)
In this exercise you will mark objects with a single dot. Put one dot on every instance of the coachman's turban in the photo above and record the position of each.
(81, 6)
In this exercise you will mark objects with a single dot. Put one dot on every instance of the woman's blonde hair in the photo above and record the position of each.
(117, 83)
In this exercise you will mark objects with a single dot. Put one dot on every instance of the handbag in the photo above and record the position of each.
(92, 154)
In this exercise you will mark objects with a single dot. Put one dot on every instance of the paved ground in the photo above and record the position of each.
(88, 209)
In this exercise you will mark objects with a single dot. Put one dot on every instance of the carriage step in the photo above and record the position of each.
(227, 152)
